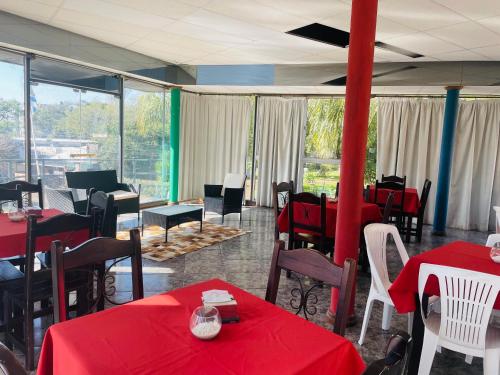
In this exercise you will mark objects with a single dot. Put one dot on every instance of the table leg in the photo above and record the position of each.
(201, 223)
(417, 334)
(166, 230)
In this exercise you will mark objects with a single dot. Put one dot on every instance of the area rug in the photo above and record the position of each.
(181, 240)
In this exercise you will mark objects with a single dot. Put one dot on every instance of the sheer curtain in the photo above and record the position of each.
(213, 140)
(281, 124)
(409, 142)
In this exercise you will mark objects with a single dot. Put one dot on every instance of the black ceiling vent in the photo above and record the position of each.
(322, 33)
(395, 49)
(340, 38)
(341, 81)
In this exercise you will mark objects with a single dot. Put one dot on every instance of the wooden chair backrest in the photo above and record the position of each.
(393, 178)
(313, 264)
(303, 201)
(424, 197)
(93, 252)
(280, 199)
(398, 203)
(388, 208)
(26, 187)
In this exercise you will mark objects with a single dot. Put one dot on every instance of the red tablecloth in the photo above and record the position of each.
(458, 254)
(152, 336)
(411, 204)
(310, 213)
(13, 236)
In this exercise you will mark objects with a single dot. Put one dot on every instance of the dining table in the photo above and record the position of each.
(411, 203)
(13, 235)
(311, 213)
(152, 336)
(404, 289)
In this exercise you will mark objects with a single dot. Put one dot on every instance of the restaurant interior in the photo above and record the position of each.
(249, 187)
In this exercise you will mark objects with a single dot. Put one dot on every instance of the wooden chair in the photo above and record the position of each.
(394, 178)
(82, 259)
(366, 193)
(417, 231)
(314, 233)
(398, 204)
(105, 212)
(11, 195)
(337, 190)
(280, 199)
(312, 263)
(396, 354)
(27, 187)
(23, 293)
(9, 364)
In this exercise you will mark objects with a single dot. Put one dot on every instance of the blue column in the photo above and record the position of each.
(445, 159)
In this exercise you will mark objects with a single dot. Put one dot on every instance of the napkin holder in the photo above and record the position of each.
(228, 310)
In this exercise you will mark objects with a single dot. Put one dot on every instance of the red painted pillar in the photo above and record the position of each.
(354, 134)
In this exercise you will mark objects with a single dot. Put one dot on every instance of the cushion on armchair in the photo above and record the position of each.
(122, 194)
(233, 181)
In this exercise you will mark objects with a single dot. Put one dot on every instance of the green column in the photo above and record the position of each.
(175, 109)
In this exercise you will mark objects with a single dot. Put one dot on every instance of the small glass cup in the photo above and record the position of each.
(205, 322)
(14, 213)
(495, 253)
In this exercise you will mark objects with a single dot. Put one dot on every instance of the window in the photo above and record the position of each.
(12, 135)
(146, 145)
(323, 145)
(72, 130)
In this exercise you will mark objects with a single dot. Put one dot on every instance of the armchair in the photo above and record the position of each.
(227, 198)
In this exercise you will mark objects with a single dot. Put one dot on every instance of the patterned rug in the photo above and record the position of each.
(181, 240)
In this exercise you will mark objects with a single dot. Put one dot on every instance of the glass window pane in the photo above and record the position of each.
(12, 144)
(321, 178)
(146, 139)
(72, 130)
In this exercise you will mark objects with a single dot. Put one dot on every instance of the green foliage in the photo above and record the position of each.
(324, 141)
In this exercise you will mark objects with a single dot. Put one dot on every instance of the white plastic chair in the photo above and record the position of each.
(493, 239)
(497, 211)
(376, 242)
(467, 299)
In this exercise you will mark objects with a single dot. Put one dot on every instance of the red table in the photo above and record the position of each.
(458, 254)
(411, 204)
(404, 290)
(13, 236)
(151, 336)
(304, 212)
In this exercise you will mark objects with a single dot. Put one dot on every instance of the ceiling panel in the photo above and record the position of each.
(228, 31)
(467, 35)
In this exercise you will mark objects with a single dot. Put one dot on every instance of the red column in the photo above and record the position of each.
(354, 134)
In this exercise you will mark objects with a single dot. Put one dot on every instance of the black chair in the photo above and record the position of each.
(280, 199)
(27, 187)
(83, 258)
(337, 190)
(227, 198)
(11, 195)
(393, 178)
(398, 202)
(105, 213)
(21, 293)
(9, 364)
(395, 360)
(313, 264)
(127, 196)
(417, 231)
(366, 193)
(314, 233)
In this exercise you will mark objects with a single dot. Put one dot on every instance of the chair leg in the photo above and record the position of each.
(387, 316)
(428, 351)
(408, 228)
(410, 323)
(368, 313)
(491, 361)
(29, 342)
(7, 313)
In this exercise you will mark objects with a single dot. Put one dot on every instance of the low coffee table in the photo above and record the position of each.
(170, 216)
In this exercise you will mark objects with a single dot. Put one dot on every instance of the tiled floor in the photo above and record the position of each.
(244, 261)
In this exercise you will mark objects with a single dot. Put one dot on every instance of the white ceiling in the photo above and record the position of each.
(252, 31)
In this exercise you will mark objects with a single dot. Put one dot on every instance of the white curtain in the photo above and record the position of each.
(409, 142)
(281, 124)
(213, 140)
